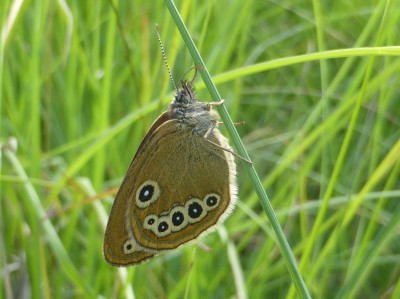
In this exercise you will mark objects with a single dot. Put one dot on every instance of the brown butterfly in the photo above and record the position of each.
(181, 183)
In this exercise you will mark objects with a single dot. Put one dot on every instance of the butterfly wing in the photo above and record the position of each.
(178, 187)
(116, 232)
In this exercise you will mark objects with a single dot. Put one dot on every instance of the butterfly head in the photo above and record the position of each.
(185, 97)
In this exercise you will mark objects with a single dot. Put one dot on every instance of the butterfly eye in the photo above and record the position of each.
(147, 193)
(183, 98)
(211, 201)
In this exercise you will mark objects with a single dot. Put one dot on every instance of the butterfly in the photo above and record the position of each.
(181, 183)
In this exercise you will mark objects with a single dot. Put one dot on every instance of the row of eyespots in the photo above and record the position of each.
(181, 216)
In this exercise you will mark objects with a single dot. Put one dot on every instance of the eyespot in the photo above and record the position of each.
(179, 218)
(163, 227)
(195, 209)
(150, 221)
(147, 193)
(211, 201)
(129, 246)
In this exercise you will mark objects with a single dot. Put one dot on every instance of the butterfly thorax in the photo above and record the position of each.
(192, 114)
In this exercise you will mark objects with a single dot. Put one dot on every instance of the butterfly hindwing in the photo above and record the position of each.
(182, 189)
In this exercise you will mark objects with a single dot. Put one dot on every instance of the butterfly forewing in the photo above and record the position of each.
(177, 188)
(116, 240)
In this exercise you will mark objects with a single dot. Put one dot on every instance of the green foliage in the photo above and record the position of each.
(317, 86)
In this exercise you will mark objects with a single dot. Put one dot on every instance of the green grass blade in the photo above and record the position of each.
(283, 244)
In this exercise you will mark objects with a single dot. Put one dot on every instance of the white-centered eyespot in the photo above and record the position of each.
(147, 193)
(129, 246)
(162, 227)
(179, 218)
(196, 210)
(150, 222)
(211, 201)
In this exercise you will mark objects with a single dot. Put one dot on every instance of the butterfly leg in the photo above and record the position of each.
(229, 151)
(195, 67)
(238, 123)
(212, 104)
(210, 129)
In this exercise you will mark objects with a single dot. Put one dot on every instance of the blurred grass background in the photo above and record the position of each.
(81, 83)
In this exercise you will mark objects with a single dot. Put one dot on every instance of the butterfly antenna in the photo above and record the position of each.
(165, 58)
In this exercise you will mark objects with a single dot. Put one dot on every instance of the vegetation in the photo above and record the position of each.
(317, 86)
